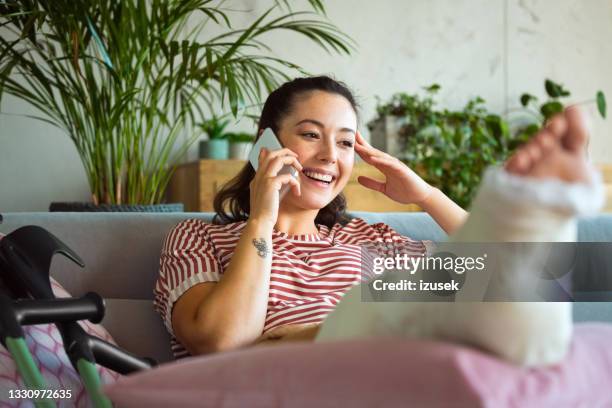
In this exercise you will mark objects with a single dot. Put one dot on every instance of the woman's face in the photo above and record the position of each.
(320, 129)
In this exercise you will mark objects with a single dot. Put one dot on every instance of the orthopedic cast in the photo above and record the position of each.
(507, 208)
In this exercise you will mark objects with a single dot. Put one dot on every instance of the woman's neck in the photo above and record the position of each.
(296, 221)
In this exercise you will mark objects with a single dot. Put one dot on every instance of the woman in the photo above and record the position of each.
(274, 269)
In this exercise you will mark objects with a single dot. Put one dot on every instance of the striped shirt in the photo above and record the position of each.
(309, 274)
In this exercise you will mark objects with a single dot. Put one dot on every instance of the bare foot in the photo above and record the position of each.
(557, 151)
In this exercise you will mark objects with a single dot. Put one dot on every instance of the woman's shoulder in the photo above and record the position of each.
(202, 227)
(359, 229)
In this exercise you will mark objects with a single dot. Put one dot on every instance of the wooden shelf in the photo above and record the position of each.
(195, 185)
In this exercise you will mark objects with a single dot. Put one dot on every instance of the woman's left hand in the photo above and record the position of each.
(290, 332)
(402, 184)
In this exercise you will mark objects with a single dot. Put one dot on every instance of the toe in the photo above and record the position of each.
(519, 162)
(557, 125)
(577, 134)
(534, 151)
(546, 140)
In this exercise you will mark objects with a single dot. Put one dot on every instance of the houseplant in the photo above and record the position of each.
(449, 149)
(126, 78)
(217, 144)
(240, 145)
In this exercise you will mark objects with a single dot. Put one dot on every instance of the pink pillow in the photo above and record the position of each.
(375, 372)
(45, 344)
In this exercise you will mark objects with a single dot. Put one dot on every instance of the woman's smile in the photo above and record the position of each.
(319, 178)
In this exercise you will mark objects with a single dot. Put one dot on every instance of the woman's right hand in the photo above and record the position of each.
(267, 183)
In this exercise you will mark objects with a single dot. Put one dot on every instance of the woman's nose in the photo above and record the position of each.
(328, 152)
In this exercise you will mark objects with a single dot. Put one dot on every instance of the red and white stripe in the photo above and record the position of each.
(309, 275)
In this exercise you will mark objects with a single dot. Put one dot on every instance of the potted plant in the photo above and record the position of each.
(217, 144)
(241, 144)
(449, 149)
(401, 111)
(125, 78)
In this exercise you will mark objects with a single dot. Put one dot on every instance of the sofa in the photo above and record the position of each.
(121, 253)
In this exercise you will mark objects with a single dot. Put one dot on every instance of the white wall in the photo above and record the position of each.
(493, 48)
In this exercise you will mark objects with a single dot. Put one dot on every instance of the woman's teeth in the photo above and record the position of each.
(318, 176)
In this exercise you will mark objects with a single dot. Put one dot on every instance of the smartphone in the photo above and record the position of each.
(269, 140)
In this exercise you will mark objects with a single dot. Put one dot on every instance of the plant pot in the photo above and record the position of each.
(90, 207)
(214, 149)
(385, 136)
(240, 150)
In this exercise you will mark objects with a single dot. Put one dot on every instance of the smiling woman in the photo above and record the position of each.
(271, 269)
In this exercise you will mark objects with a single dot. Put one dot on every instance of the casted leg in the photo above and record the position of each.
(535, 198)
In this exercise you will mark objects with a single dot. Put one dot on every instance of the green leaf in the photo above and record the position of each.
(554, 89)
(601, 104)
(550, 109)
(432, 88)
(526, 98)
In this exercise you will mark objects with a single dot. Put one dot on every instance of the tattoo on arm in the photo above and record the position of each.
(261, 246)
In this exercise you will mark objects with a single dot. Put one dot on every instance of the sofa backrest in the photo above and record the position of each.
(121, 252)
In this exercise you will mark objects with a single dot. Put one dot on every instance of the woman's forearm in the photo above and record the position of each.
(234, 313)
(444, 211)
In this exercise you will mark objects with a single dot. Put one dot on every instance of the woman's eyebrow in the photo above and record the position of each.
(314, 122)
(321, 125)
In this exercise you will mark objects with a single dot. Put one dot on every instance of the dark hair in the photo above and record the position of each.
(234, 196)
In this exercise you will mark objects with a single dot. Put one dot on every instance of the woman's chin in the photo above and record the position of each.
(311, 200)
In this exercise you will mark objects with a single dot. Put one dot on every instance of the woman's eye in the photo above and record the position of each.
(310, 135)
(347, 143)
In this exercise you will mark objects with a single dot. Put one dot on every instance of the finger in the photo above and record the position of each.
(281, 152)
(269, 155)
(360, 140)
(371, 183)
(369, 157)
(279, 162)
(385, 162)
(288, 179)
(361, 143)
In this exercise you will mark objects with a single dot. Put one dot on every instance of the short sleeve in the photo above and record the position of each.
(388, 234)
(188, 258)
(380, 240)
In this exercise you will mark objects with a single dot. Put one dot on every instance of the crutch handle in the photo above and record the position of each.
(88, 307)
(117, 359)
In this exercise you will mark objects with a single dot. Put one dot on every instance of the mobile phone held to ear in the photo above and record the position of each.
(269, 140)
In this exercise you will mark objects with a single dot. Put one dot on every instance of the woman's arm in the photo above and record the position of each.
(403, 185)
(290, 333)
(230, 313)
(444, 211)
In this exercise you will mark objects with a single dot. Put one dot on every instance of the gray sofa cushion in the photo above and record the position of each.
(121, 253)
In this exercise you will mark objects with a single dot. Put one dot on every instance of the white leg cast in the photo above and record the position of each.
(507, 209)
